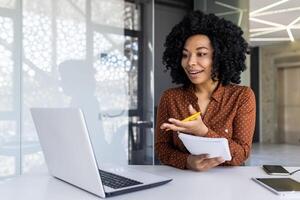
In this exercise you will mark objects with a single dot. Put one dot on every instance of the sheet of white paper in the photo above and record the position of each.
(215, 147)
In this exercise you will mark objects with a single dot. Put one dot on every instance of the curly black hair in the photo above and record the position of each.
(229, 46)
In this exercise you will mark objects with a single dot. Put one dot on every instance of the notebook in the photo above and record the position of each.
(214, 147)
(285, 187)
(69, 155)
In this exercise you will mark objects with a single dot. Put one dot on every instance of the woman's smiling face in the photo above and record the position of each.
(197, 59)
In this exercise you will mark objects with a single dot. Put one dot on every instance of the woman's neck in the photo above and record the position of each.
(205, 90)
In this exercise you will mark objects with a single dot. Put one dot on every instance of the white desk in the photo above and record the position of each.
(225, 183)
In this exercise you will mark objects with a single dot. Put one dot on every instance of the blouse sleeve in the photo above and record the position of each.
(243, 129)
(164, 147)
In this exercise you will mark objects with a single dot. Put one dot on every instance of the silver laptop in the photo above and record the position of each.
(70, 157)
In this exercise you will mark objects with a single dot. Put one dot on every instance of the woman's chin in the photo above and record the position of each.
(196, 81)
(200, 81)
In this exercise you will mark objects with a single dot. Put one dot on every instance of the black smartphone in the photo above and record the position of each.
(275, 170)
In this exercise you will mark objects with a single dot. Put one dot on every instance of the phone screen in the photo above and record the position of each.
(275, 169)
(281, 184)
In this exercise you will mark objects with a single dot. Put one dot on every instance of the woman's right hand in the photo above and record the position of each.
(202, 162)
(194, 127)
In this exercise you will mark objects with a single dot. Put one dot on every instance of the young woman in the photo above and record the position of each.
(206, 55)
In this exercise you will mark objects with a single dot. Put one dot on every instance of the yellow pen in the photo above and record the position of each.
(190, 118)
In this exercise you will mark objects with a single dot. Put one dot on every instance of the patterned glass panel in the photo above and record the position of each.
(9, 149)
(72, 53)
(108, 13)
(111, 67)
(6, 64)
(7, 3)
(9, 115)
(131, 16)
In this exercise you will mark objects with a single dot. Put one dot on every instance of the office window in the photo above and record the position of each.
(9, 91)
(83, 53)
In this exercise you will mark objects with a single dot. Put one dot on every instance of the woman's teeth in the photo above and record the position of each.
(195, 72)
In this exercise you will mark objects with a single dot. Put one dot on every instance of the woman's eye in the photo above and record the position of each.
(201, 54)
(184, 55)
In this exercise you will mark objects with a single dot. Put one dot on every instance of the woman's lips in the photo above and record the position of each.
(194, 73)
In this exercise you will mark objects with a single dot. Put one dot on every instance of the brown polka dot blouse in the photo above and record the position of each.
(230, 114)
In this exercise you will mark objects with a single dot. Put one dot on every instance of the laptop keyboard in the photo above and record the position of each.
(115, 181)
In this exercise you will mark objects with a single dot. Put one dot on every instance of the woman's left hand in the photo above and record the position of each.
(195, 127)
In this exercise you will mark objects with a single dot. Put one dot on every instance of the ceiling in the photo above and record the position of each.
(273, 21)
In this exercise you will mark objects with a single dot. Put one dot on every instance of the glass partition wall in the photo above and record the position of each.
(10, 68)
(92, 54)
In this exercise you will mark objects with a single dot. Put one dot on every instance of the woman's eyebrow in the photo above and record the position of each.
(201, 48)
(198, 48)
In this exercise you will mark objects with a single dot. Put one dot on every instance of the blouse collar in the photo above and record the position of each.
(216, 95)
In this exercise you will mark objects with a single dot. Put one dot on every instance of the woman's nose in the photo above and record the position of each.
(192, 60)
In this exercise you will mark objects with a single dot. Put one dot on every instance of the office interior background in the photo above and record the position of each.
(104, 56)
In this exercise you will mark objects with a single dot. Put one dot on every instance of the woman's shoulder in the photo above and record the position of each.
(174, 91)
(236, 87)
(239, 89)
